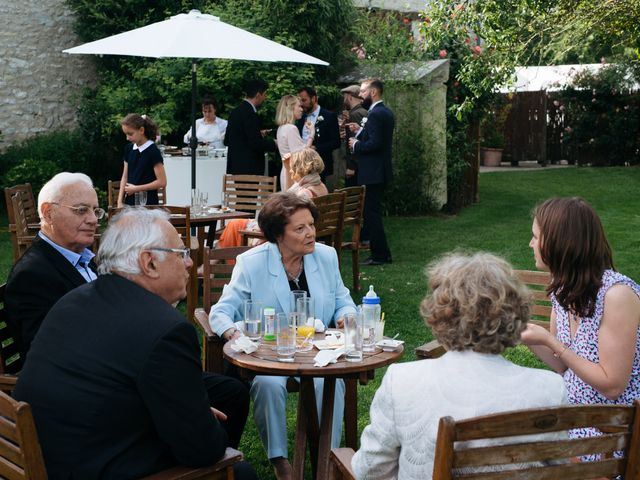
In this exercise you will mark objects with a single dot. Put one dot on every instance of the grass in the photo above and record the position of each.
(499, 223)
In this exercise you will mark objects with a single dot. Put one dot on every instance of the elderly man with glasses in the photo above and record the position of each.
(114, 376)
(59, 259)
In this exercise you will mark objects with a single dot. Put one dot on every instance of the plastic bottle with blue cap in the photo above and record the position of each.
(371, 311)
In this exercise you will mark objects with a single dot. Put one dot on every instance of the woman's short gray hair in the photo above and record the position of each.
(52, 191)
(477, 302)
(128, 233)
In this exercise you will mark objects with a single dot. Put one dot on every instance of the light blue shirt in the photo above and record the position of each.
(313, 118)
(78, 260)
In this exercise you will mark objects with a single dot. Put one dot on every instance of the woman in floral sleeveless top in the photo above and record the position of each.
(594, 337)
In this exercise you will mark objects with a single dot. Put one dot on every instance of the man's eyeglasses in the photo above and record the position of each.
(83, 210)
(184, 252)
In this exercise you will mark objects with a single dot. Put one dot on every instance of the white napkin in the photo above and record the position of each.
(244, 344)
(318, 325)
(325, 357)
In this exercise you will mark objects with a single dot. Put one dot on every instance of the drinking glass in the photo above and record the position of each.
(195, 202)
(253, 319)
(353, 330)
(295, 295)
(141, 198)
(285, 336)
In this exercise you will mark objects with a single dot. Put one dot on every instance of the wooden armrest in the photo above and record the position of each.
(433, 349)
(341, 460)
(8, 382)
(251, 233)
(231, 456)
(202, 318)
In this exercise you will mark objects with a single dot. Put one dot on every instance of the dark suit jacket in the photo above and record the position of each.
(356, 114)
(37, 281)
(374, 147)
(115, 384)
(246, 144)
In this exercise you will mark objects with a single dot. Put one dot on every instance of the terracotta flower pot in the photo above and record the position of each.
(491, 157)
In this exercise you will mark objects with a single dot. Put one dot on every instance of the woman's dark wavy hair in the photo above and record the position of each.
(276, 211)
(574, 247)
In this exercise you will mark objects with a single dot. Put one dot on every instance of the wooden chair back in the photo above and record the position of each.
(20, 453)
(247, 192)
(353, 216)
(329, 226)
(537, 458)
(540, 309)
(10, 361)
(22, 236)
(25, 214)
(113, 188)
(217, 267)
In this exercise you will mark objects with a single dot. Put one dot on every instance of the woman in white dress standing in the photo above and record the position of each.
(288, 136)
(210, 129)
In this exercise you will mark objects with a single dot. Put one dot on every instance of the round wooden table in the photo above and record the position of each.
(264, 361)
(210, 219)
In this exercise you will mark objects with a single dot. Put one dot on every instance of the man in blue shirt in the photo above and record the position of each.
(59, 258)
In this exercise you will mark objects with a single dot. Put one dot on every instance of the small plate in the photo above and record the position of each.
(389, 345)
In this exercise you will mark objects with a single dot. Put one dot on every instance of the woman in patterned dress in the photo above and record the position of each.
(594, 335)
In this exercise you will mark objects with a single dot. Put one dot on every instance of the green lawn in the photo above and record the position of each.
(500, 223)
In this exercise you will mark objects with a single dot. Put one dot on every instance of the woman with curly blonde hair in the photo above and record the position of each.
(476, 308)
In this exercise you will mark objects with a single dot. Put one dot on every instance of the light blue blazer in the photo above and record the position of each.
(259, 275)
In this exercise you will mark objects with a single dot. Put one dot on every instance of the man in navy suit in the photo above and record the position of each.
(247, 143)
(372, 143)
(327, 136)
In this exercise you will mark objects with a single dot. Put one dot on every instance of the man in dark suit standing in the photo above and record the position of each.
(327, 132)
(114, 376)
(59, 259)
(247, 143)
(372, 143)
(354, 114)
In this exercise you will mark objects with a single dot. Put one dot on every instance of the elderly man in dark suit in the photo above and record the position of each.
(59, 259)
(327, 133)
(247, 143)
(372, 143)
(114, 377)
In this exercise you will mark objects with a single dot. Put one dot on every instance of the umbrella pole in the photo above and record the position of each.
(194, 139)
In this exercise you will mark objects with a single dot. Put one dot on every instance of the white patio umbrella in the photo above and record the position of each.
(194, 35)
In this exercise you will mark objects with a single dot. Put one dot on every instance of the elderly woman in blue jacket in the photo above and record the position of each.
(290, 260)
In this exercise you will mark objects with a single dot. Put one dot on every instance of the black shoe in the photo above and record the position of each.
(373, 261)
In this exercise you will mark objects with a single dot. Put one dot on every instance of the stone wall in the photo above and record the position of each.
(39, 85)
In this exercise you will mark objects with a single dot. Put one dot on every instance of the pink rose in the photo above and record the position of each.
(477, 50)
(443, 53)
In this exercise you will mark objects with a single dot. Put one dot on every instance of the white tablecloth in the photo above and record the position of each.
(209, 173)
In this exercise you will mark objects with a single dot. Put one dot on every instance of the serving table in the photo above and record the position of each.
(210, 171)
(264, 361)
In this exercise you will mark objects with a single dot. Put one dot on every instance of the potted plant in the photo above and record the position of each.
(492, 130)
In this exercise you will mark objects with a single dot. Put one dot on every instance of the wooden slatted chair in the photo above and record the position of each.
(113, 188)
(216, 273)
(181, 220)
(22, 235)
(525, 458)
(353, 215)
(540, 309)
(21, 455)
(10, 361)
(331, 222)
(247, 192)
(29, 219)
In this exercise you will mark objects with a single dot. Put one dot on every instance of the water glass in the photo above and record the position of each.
(285, 336)
(353, 332)
(253, 319)
(305, 307)
(141, 198)
(295, 295)
(195, 202)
